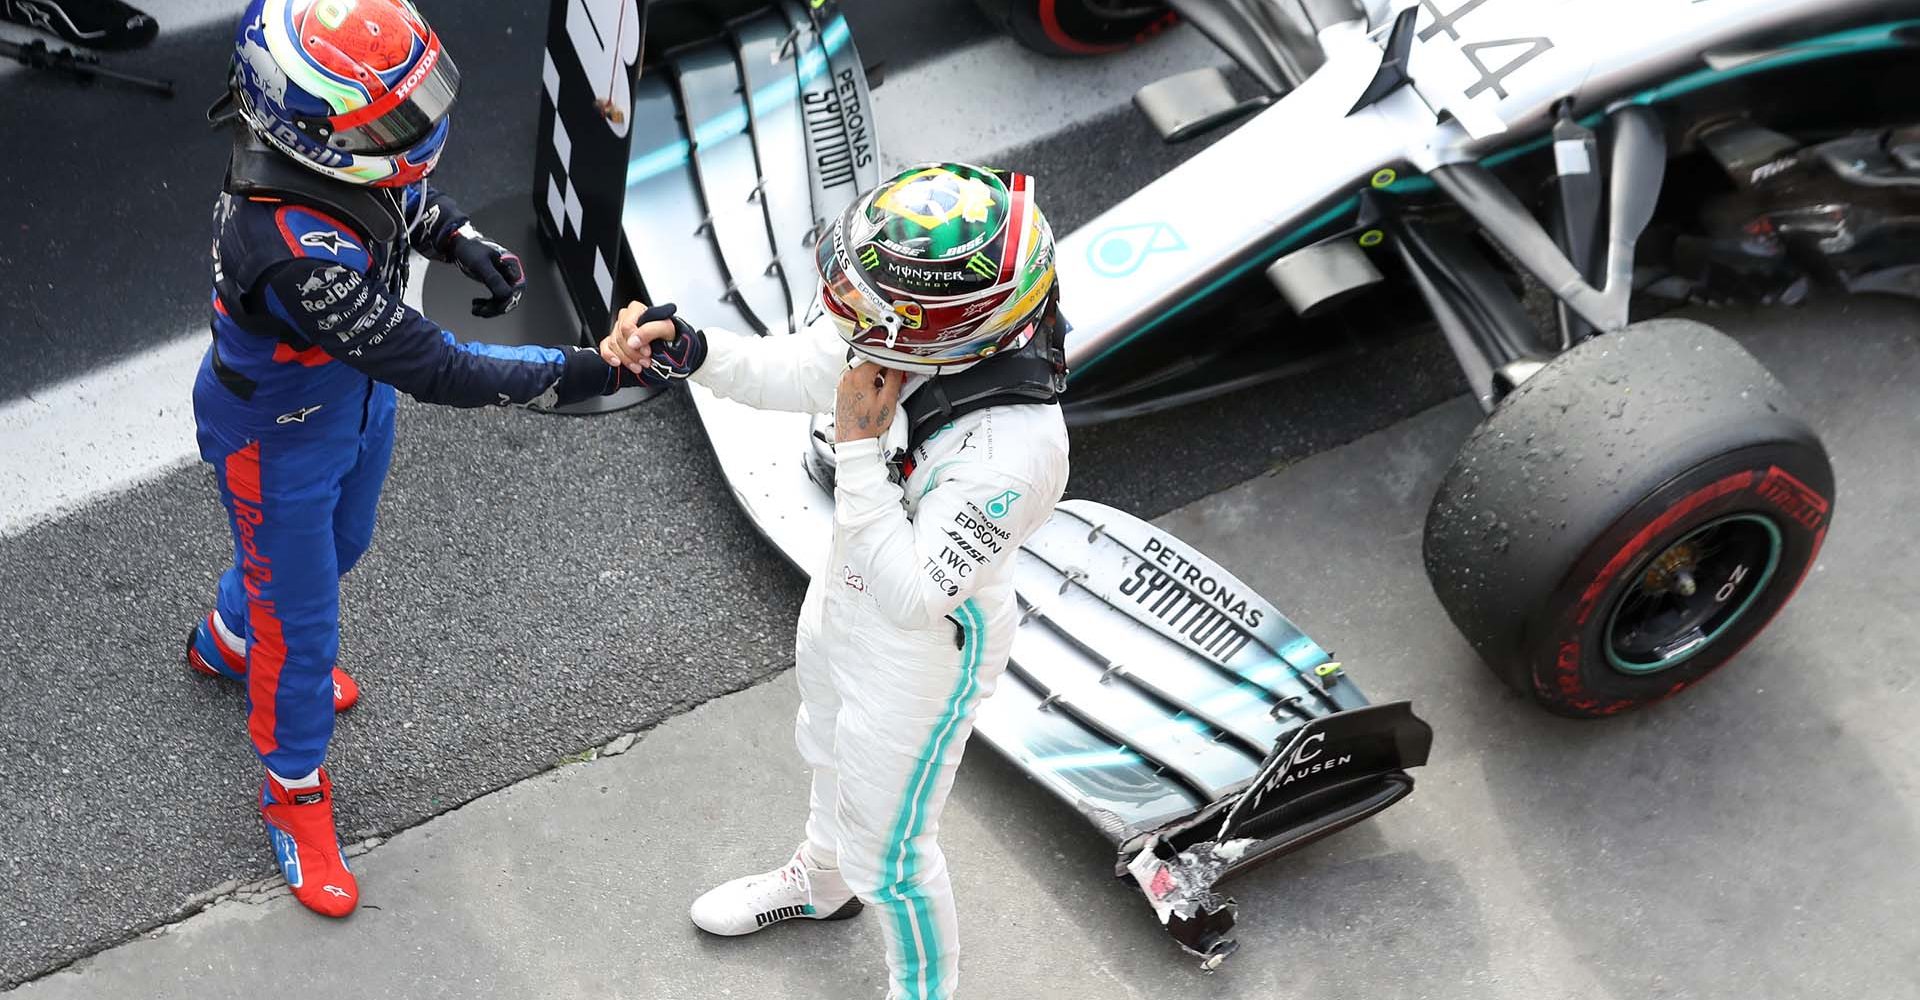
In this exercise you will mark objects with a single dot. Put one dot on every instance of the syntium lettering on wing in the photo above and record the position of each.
(1196, 605)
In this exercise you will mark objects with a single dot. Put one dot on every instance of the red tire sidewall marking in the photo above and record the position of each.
(1800, 503)
(1056, 32)
(1167, 20)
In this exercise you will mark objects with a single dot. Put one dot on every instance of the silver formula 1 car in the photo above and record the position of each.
(1531, 177)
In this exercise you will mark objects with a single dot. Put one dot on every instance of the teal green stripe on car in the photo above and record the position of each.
(1876, 37)
(1774, 547)
(1868, 39)
(920, 940)
(1287, 242)
(642, 166)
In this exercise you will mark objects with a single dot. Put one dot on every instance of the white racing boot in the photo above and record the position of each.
(793, 891)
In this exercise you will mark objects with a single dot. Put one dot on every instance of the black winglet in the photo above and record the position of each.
(1393, 63)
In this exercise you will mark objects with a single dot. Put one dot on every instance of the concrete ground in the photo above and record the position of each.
(1755, 838)
(125, 782)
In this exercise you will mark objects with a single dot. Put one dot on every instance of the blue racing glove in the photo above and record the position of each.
(677, 358)
(490, 264)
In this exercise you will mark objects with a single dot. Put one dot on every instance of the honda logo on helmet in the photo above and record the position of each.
(419, 74)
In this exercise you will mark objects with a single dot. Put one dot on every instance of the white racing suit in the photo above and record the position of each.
(904, 631)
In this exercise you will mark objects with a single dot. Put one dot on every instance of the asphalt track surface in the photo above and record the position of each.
(538, 585)
(1752, 839)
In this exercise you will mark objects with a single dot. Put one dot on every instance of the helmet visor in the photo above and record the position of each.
(404, 116)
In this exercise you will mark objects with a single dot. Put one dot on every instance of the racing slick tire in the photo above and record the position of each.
(1077, 27)
(1629, 518)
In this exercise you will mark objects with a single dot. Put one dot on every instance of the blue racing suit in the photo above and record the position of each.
(294, 406)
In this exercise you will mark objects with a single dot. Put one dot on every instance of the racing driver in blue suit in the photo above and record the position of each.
(342, 113)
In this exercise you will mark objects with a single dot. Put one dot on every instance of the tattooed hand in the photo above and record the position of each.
(864, 406)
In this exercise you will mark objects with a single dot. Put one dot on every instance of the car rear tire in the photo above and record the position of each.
(1629, 518)
(1077, 27)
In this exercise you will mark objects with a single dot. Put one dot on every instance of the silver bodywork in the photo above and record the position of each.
(1247, 199)
(1155, 712)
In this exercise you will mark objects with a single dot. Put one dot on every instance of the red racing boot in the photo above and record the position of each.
(210, 653)
(300, 827)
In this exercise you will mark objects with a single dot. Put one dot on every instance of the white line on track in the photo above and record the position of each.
(110, 430)
(98, 434)
(107, 431)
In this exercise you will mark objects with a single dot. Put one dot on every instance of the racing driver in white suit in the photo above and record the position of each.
(945, 269)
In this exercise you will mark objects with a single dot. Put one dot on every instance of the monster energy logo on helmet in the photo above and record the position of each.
(939, 267)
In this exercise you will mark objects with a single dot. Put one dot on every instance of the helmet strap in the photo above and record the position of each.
(224, 111)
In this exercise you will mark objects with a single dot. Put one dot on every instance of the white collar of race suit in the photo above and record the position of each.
(899, 433)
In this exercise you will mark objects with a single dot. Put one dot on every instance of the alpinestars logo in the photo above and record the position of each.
(36, 18)
(39, 14)
(328, 240)
(780, 913)
(429, 222)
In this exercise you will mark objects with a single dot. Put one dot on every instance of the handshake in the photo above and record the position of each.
(659, 347)
(654, 344)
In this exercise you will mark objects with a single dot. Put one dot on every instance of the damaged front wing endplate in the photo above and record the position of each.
(1196, 727)
(1243, 829)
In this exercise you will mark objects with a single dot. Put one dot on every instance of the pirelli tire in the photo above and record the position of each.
(1078, 27)
(1629, 519)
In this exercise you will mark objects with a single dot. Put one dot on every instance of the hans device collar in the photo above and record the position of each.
(257, 170)
(1036, 373)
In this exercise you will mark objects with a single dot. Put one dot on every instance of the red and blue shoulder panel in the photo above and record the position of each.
(310, 232)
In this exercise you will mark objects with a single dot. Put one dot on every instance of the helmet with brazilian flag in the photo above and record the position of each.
(939, 268)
